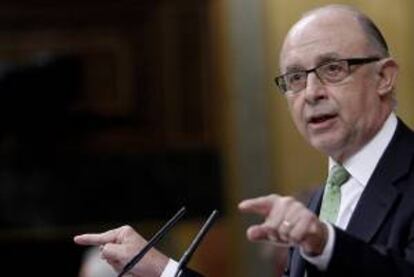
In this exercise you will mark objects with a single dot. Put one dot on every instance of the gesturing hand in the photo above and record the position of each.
(286, 220)
(119, 245)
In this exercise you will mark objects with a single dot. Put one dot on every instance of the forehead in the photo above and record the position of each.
(329, 33)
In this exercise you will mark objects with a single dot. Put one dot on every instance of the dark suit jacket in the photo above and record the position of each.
(379, 239)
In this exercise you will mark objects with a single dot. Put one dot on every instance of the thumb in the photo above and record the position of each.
(114, 253)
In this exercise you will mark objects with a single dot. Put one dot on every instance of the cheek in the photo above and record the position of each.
(357, 100)
(356, 108)
(296, 108)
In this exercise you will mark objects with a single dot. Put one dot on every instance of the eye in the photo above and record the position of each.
(295, 77)
(333, 69)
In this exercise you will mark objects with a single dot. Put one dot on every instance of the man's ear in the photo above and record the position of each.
(388, 73)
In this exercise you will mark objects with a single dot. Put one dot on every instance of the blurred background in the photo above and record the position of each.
(120, 112)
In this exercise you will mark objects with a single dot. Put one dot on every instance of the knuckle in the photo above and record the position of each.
(298, 206)
(287, 200)
(127, 228)
(273, 197)
(301, 205)
(309, 215)
(315, 227)
(271, 225)
(104, 251)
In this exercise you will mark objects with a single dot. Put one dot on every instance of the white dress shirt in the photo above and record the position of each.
(360, 166)
(170, 269)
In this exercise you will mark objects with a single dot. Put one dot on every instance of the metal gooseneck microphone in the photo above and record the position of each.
(194, 244)
(154, 240)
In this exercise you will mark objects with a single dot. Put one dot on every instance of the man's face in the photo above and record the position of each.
(337, 119)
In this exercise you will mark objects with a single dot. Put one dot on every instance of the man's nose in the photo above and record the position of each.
(315, 90)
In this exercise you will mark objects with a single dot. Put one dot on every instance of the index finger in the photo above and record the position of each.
(260, 205)
(97, 239)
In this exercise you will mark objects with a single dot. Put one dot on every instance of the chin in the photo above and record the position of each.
(327, 145)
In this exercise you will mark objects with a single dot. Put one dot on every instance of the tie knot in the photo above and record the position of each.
(337, 176)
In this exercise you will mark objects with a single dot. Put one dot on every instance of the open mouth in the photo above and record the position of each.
(321, 118)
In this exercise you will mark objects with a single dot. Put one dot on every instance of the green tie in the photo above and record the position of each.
(332, 196)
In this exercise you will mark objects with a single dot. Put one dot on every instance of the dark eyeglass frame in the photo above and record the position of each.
(281, 82)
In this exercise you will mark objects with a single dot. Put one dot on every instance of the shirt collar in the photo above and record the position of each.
(362, 164)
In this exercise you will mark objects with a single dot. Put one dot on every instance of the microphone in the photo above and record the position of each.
(154, 240)
(194, 244)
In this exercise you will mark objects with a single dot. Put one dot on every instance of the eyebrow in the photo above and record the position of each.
(328, 57)
(324, 58)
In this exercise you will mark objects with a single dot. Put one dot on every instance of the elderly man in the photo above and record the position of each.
(338, 79)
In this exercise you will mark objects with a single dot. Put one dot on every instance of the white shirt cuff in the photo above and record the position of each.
(321, 261)
(170, 269)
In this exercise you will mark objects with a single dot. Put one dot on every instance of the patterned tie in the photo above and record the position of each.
(332, 196)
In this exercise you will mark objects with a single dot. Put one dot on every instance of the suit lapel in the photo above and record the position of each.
(381, 191)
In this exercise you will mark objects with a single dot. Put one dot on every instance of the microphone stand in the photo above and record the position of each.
(194, 244)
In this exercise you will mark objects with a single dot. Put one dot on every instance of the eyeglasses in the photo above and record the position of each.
(329, 73)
